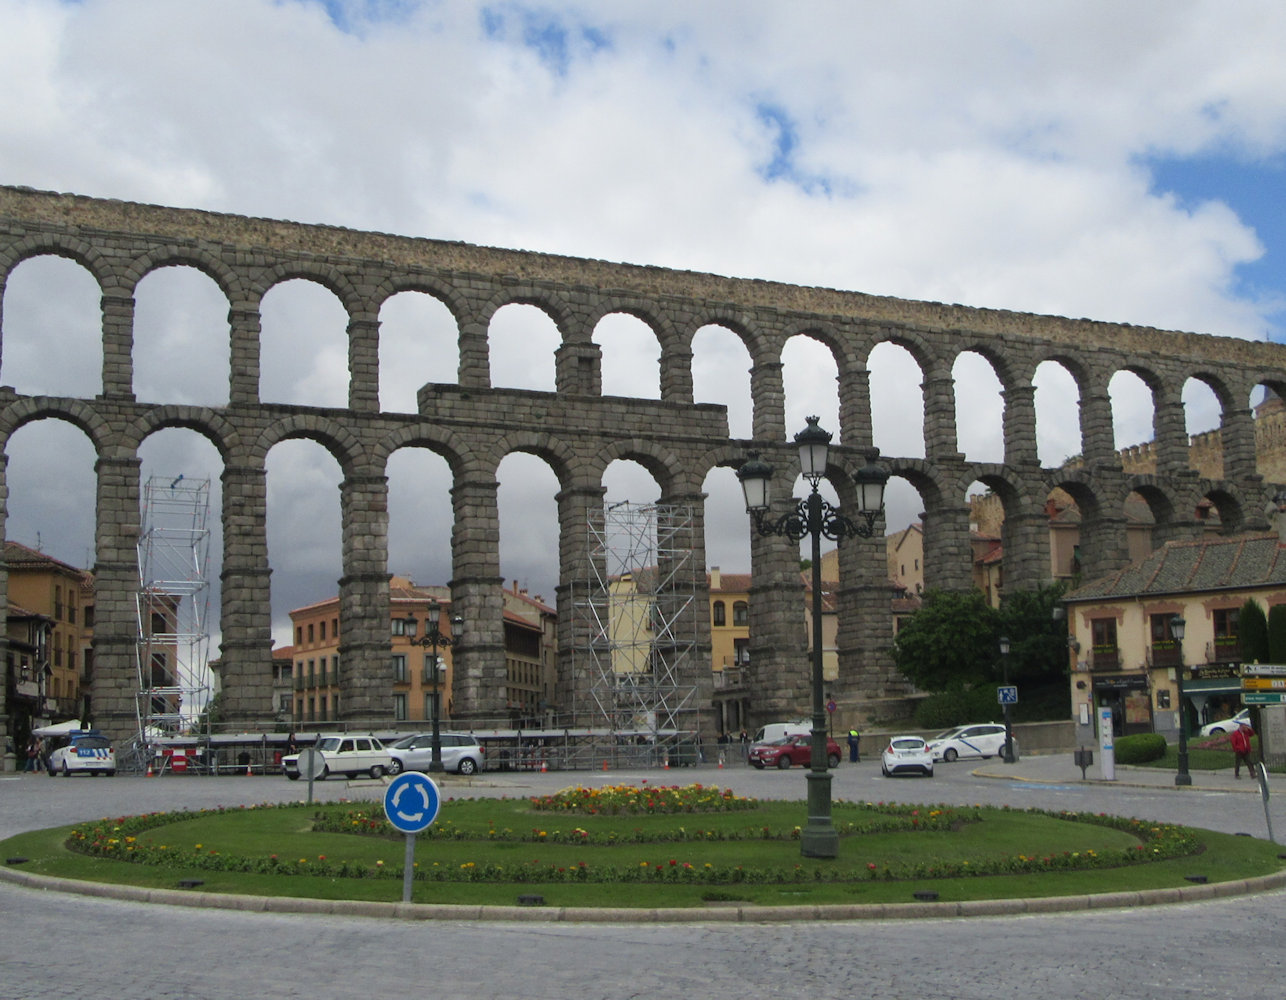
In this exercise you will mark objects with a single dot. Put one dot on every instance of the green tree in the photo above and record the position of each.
(1037, 641)
(950, 643)
(1277, 633)
(1252, 631)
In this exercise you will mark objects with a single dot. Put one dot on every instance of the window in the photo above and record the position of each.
(399, 707)
(299, 635)
(429, 701)
(58, 602)
(398, 626)
(720, 615)
(310, 632)
(334, 628)
(1105, 655)
(399, 669)
(1227, 635)
(322, 633)
(741, 652)
(741, 613)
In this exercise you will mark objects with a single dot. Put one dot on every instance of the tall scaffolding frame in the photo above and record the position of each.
(175, 683)
(635, 620)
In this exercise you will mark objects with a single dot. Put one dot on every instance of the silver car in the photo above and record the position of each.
(461, 753)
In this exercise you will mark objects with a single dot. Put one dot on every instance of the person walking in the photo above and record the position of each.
(854, 746)
(1239, 740)
(35, 754)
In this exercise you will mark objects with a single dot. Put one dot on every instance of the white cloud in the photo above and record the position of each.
(985, 153)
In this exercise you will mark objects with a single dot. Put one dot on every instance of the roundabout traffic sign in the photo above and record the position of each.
(411, 802)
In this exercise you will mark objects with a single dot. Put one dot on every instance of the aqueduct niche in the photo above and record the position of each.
(579, 432)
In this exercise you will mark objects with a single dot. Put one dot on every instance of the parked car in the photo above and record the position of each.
(796, 749)
(977, 740)
(348, 755)
(461, 753)
(905, 755)
(87, 752)
(1242, 718)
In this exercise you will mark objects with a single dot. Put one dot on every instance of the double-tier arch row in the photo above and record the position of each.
(578, 431)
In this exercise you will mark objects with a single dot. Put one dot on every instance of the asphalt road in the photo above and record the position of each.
(58, 945)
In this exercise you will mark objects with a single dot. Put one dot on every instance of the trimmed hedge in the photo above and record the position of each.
(1140, 748)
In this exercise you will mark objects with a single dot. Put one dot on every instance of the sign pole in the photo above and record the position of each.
(411, 803)
(408, 868)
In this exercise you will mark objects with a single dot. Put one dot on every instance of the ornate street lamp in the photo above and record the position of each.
(815, 517)
(433, 638)
(1177, 626)
(1007, 751)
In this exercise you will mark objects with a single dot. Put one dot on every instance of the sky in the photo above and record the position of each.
(1121, 162)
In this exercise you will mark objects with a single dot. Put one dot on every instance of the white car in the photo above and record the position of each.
(1242, 718)
(979, 740)
(461, 753)
(906, 754)
(88, 752)
(350, 755)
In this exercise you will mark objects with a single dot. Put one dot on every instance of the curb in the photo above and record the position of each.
(722, 913)
(1249, 789)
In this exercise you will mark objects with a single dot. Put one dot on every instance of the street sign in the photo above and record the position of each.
(1007, 695)
(311, 763)
(411, 802)
(1263, 683)
(1263, 670)
(1263, 697)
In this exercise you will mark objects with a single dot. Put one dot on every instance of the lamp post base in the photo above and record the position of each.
(819, 839)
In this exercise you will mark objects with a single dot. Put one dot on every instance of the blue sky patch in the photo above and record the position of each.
(554, 41)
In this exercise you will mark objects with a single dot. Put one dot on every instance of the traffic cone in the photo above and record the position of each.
(604, 765)
(667, 762)
(249, 773)
(544, 765)
(149, 771)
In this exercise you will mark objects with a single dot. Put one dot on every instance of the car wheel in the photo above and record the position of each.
(66, 770)
(949, 754)
(783, 762)
(1217, 731)
(394, 766)
(467, 765)
(377, 771)
(929, 773)
(110, 774)
(884, 770)
(324, 771)
(758, 764)
(833, 760)
(293, 777)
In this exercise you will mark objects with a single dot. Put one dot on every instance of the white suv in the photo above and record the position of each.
(350, 755)
(88, 752)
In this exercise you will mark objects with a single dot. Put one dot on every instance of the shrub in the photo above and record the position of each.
(1140, 748)
(958, 708)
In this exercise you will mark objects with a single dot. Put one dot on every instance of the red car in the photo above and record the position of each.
(792, 750)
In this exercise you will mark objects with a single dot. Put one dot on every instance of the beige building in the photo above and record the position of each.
(530, 657)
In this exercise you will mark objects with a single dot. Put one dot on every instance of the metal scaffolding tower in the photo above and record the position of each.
(636, 625)
(175, 683)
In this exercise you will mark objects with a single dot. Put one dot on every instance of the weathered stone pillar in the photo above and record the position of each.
(1098, 446)
(940, 442)
(948, 556)
(1237, 435)
(478, 682)
(475, 362)
(1171, 437)
(118, 345)
(855, 409)
(1026, 541)
(769, 398)
(1103, 545)
(578, 577)
(245, 653)
(5, 721)
(243, 362)
(365, 649)
(578, 368)
(1020, 428)
(364, 363)
(115, 684)
(780, 670)
(865, 627)
(676, 374)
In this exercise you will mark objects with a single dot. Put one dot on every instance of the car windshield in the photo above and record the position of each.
(406, 742)
(949, 733)
(908, 744)
(329, 743)
(94, 742)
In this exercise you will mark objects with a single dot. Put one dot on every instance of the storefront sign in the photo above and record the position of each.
(1121, 682)
(1217, 671)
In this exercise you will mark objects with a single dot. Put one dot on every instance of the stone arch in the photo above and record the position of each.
(79, 413)
(78, 251)
(229, 280)
(340, 441)
(206, 421)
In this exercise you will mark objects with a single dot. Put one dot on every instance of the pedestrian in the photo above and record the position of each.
(854, 746)
(35, 754)
(1240, 742)
(745, 746)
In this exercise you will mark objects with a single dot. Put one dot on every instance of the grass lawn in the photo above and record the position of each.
(490, 851)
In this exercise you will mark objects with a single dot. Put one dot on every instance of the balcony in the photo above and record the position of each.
(1105, 658)
(1165, 653)
(1225, 649)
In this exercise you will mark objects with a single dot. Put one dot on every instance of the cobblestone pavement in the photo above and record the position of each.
(58, 945)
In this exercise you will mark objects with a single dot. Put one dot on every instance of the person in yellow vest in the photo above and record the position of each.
(854, 746)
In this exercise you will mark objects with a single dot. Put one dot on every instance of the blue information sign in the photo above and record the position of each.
(1007, 695)
(411, 802)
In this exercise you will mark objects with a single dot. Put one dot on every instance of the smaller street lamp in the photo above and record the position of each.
(1007, 752)
(1177, 626)
(433, 638)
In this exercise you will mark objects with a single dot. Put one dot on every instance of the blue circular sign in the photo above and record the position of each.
(411, 802)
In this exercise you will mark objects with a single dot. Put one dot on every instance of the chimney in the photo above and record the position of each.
(715, 578)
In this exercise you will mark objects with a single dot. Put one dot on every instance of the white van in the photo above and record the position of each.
(780, 730)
